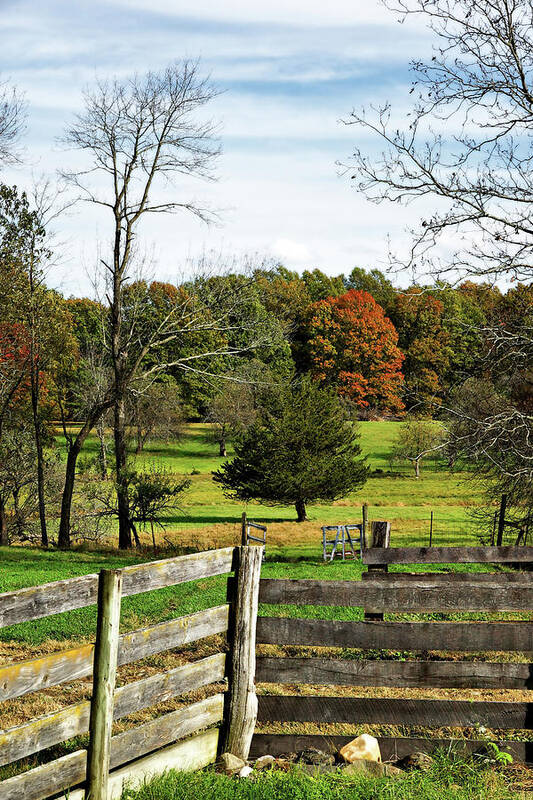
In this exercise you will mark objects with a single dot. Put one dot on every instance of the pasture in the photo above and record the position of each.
(208, 519)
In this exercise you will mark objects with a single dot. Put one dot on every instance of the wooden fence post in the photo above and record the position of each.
(380, 538)
(244, 532)
(104, 671)
(241, 700)
(364, 530)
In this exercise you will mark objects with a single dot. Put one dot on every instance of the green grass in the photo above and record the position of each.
(293, 551)
(457, 779)
(396, 496)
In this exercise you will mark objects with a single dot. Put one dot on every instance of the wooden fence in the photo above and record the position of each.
(401, 593)
(160, 743)
(188, 737)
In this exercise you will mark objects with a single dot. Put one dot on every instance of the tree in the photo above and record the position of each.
(353, 347)
(418, 317)
(417, 439)
(138, 133)
(12, 119)
(301, 449)
(231, 410)
(375, 283)
(155, 413)
(321, 286)
(24, 254)
(477, 84)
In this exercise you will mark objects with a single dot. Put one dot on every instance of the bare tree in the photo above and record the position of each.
(231, 411)
(139, 134)
(12, 121)
(468, 147)
(467, 144)
(154, 412)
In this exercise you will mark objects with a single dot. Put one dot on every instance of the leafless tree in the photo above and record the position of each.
(467, 144)
(138, 134)
(466, 152)
(12, 121)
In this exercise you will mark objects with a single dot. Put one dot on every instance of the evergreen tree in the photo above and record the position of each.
(301, 449)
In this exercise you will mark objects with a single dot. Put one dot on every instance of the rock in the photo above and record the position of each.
(417, 760)
(393, 772)
(245, 771)
(231, 764)
(316, 769)
(364, 747)
(363, 765)
(264, 762)
(316, 757)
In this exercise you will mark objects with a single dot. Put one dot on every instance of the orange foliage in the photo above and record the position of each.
(353, 346)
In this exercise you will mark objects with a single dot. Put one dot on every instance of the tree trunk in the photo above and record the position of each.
(301, 511)
(417, 468)
(40, 454)
(63, 537)
(124, 522)
(18, 522)
(75, 446)
(140, 442)
(222, 447)
(3, 524)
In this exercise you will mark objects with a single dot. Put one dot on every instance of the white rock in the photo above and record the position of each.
(245, 772)
(364, 747)
(264, 761)
(231, 763)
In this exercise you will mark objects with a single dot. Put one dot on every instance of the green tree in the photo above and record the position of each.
(375, 283)
(417, 439)
(301, 449)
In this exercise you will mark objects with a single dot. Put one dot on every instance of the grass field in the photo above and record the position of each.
(208, 518)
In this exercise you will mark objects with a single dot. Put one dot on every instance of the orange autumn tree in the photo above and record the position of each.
(353, 346)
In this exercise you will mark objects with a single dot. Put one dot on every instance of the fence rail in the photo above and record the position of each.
(26, 605)
(154, 745)
(400, 593)
(448, 555)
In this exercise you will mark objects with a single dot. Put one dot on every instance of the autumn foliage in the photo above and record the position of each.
(354, 347)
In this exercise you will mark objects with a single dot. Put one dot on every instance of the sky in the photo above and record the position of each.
(289, 72)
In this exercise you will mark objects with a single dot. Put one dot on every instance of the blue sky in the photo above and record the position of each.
(289, 70)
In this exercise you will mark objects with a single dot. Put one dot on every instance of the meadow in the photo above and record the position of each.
(208, 518)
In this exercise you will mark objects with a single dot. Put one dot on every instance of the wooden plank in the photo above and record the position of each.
(348, 672)
(387, 711)
(495, 578)
(192, 754)
(166, 729)
(447, 636)
(241, 702)
(50, 670)
(448, 555)
(53, 598)
(392, 748)
(23, 740)
(424, 595)
(57, 776)
(105, 674)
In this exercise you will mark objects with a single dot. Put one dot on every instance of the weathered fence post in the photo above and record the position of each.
(241, 700)
(364, 529)
(105, 670)
(244, 532)
(380, 538)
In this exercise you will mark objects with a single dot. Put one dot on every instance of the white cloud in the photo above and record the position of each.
(295, 12)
